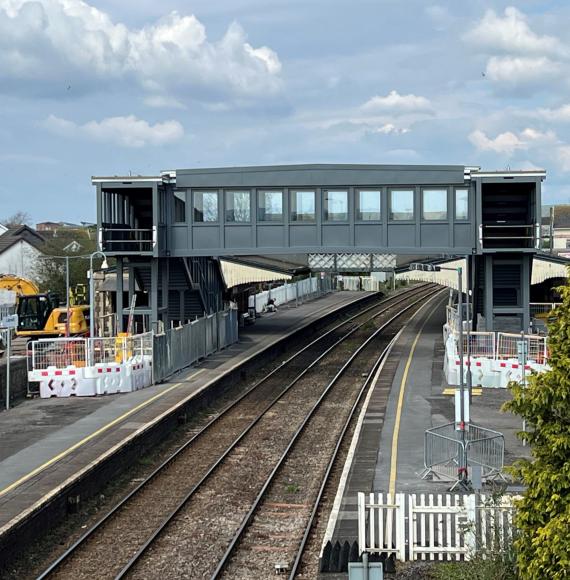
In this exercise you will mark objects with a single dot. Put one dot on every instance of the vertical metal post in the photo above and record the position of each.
(91, 299)
(8, 347)
(468, 316)
(463, 463)
(67, 296)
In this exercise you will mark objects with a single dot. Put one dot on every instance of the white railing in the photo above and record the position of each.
(538, 308)
(434, 526)
(298, 292)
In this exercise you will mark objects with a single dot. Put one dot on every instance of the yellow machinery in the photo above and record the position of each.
(21, 286)
(40, 315)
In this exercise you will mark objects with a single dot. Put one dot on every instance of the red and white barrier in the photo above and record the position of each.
(485, 371)
(67, 367)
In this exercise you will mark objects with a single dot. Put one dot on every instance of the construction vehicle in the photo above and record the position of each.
(21, 286)
(40, 315)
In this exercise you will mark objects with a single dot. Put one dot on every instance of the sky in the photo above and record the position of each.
(136, 87)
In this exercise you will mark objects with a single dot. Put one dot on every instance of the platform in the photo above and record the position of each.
(408, 399)
(47, 443)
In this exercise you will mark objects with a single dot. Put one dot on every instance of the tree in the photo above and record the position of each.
(51, 271)
(543, 514)
(20, 218)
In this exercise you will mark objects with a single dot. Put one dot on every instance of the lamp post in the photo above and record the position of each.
(104, 266)
(462, 414)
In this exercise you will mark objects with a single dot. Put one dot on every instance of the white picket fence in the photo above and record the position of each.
(433, 526)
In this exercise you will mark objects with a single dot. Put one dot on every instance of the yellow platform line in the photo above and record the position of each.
(474, 391)
(88, 438)
(396, 432)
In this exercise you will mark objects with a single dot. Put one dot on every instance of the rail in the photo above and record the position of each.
(509, 235)
(126, 239)
(384, 305)
(249, 517)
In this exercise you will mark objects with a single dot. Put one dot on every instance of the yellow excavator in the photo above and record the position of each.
(40, 315)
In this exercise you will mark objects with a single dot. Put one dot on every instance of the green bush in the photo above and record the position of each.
(543, 514)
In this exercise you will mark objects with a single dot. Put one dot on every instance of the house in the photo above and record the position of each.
(19, 248)
(53, 227)
(73, 247)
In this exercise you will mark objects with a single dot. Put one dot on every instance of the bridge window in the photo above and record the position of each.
(205, 206)
(238, 206)
(180, 206)
(368, 205)
(303, 206)
(461, 204)
(269, 206)
(402, 204)
(336, 206)
(434, 204)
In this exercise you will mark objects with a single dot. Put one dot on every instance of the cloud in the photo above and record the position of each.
(508, 142)
(126, 131)
(389, 129)
(395, 104)
(54, 43)
(517, 71)
(511, 34)
(519, 59)
(563, 157)
(503, 143)
(163, 102)
(561, 114)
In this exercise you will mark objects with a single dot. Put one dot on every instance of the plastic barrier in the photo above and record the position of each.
(486, 371)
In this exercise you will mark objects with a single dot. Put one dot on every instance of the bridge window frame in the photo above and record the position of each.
(202, 192)
(358, 203)
(230, 209)
(465, 216)
(327, 215)
(180, 197)
(293, 202)
(439, 209)
(391, 213)
(262, 206)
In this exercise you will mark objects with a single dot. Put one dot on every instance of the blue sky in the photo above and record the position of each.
(109, 87)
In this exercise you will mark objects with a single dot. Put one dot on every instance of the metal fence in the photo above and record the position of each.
(119, 349)
(480, 344)
(507, 346)
(538, 308)
(295, 293)
(60, 353)
(182, 346)
(445, 452)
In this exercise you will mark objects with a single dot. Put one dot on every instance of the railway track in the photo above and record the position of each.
(211, 483)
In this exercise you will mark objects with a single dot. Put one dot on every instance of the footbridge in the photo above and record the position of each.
(168, 231)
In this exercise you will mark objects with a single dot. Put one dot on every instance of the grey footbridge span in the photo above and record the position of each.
(167, 230)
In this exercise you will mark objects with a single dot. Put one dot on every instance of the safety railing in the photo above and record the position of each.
(121, 239)
(446, 450)
(61, 353)
(296, 292)
(180, 347)
(479, 344)
(508, 346)
(541, 308)
(509, 235)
